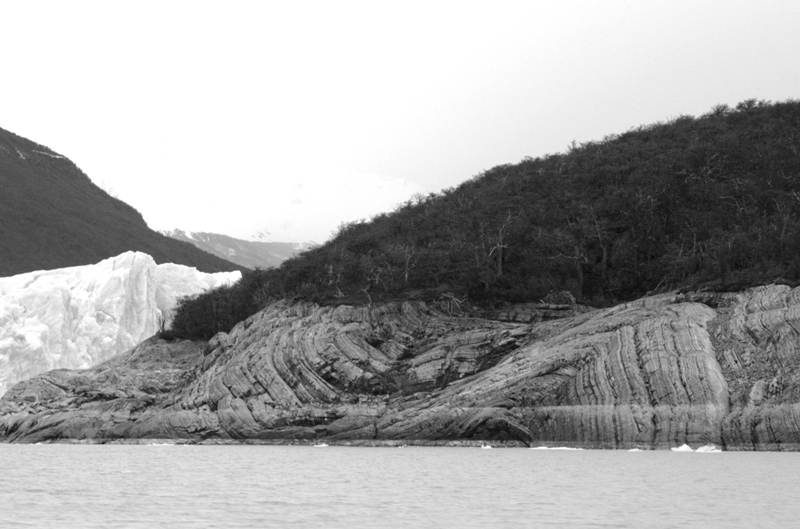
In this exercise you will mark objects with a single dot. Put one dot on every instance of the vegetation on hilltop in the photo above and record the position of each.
(711, 201)
(53, 216)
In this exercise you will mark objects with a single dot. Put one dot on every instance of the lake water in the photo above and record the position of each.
(116, 486)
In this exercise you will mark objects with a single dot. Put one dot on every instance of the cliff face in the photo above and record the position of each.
(655, 373)
(77, 317)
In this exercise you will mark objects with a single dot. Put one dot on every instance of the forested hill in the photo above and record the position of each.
(710, 201)
(53, 216)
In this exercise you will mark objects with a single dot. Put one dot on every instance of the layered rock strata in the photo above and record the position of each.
(655, 373)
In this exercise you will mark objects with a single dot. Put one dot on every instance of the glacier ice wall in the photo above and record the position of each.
(79, 316)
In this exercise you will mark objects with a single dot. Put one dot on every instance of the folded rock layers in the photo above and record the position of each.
(655, 373)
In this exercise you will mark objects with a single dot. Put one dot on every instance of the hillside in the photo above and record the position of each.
(461, 317)
(249, 254)
(53, 216)
(706, 202)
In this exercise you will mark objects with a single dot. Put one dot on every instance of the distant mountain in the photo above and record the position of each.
(250, 254)
(53, 216)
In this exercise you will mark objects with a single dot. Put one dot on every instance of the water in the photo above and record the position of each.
(130, 486)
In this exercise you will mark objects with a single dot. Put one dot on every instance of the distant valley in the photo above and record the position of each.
(249, 254)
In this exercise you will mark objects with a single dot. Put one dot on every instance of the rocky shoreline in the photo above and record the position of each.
(660, 372)
(360, 443)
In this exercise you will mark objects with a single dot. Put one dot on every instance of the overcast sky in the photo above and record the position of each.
(293, 117)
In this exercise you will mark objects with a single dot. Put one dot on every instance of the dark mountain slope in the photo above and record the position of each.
(708, 202)
(53, 216)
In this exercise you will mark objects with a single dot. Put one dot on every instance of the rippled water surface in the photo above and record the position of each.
(108, 486)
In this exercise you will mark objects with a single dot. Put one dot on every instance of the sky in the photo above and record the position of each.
(290, 118)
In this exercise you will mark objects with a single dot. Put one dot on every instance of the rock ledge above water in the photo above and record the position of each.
(659, 372)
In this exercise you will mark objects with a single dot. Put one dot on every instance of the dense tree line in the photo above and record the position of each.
(709, 201)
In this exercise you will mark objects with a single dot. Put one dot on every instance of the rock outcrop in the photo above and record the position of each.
(659, 372)
(80, 316)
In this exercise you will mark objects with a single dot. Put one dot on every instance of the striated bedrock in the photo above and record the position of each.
(79, 316)
(655, 373)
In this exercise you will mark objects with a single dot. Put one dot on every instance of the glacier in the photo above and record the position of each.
(80, 316)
